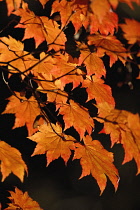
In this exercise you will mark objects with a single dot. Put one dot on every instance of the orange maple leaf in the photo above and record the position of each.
(131, 30)
(67, 73)
(123, 128)
(97, 161)
(108, 24)
(100, 8)
(97, 90)
(76, 116)
(11, 161)
(53, 142)
(73, 11)
(109, 45)
(13, 56)
(46, 63)
(25, 110)
(41, 29)
(93, 63)
(31, 23)
(20, 200)
(97, 14)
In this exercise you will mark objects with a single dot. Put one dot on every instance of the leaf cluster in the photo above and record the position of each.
(51, 71)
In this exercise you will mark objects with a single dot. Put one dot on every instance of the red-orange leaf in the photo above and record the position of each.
(100, 8)
(25, 110)
(73, 11)
(97, 161)
(41, 29)
(13, 56)
(93, 63)
(53, 142)
(32, 24)
(123, 128)
(76, 116)
(68, 73)
(108, 25)
(11, 161)
(97, 90)
(131, 31)
(20, 200)
(109, 45)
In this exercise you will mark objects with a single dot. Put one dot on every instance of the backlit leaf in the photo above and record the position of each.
(52, 142)
(109, 45)
(25, 110)
(123, 128)
(93, 63)
(20, 200)
(11, 161)
(97, 161)
(76, 116)
(13, 56)
(47, 29)
(131, 30)
(97, 90)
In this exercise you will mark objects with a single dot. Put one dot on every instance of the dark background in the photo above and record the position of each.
(57, 187)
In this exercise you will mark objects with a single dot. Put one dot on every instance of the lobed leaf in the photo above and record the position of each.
(11, 161)
(20, 200)
(97, 161)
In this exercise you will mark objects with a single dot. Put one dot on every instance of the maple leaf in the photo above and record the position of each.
(131, 30)
(31, 23)
(67, 73)
(97, 161)
(73, 11)
(108, 25)
(20, 200)
(45, 65)
(93, 63)
(53, 142)
(100, 8)
(109, 45)
(11, 161)
(123, 128)
(13, 56)
(76, 116)
(46, 28)
(25, 110)
(97, 90)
